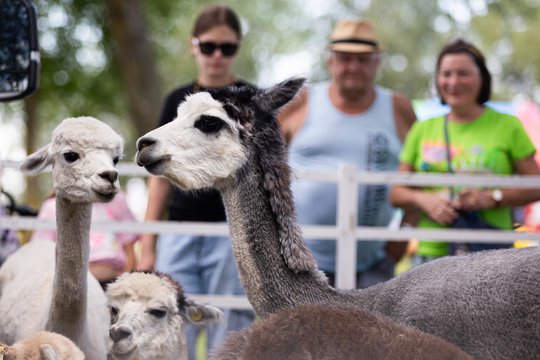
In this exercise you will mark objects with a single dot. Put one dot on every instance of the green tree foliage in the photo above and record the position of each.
(77, 76)
(81, 77)
(508, 33)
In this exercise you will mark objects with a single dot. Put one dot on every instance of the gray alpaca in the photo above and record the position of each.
(486, 303)
(333, 332)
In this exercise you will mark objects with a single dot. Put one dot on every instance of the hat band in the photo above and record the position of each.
(355, 41)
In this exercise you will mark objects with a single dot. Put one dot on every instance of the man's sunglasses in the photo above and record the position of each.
(208, 47)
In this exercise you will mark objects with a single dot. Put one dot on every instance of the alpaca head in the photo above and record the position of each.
(83, 153)
(212, 136)
(148, 314)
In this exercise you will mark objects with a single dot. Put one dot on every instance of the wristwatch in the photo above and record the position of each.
(497, 196)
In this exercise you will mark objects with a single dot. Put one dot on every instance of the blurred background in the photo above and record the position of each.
(116, 59)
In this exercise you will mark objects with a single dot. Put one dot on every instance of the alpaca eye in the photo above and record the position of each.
(115, 160)
(114, 310)
(158, 313)
(209, 124)
(71, 156)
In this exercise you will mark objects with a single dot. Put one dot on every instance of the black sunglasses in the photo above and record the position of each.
(208, 47)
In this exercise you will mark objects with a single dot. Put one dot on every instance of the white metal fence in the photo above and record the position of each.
(346, 232)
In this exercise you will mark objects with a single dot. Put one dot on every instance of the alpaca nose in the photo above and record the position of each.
(118, 333)
(144, 142)
(109, 175)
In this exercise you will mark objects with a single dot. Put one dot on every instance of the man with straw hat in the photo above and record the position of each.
(348, 119)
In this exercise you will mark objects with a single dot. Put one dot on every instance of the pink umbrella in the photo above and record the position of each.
(529, 114)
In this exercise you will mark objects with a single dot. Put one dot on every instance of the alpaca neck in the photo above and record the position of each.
(257, 242)
(67, 314)
(182, 353)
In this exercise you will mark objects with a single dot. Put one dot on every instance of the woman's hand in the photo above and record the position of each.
(437, 207)
(147, 261)
(474, 199)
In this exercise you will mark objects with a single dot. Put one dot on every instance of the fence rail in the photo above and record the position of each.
(346, 232)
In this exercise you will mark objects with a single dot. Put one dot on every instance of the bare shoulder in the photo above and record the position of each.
(403, 114)
(291, 117)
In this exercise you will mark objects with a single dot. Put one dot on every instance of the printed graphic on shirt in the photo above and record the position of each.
(378, 154)
(472, 159)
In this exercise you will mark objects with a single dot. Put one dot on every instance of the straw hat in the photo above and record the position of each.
(354, 36)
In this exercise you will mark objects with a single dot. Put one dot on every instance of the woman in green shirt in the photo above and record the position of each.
(482, 141)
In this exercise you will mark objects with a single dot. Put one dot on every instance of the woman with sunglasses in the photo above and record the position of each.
(202, 264)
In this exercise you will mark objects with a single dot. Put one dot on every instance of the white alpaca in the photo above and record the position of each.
(48, 287)
(43, 345)
(486, 303)
(148, 315)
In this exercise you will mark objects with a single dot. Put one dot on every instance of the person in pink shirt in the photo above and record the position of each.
(110, 254)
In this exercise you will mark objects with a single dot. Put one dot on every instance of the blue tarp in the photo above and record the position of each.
(428, 108)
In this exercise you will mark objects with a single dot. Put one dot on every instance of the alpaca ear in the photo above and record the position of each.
(47, 352)
(37, 161)
(277, 96)
(3, 351)
(200, 314)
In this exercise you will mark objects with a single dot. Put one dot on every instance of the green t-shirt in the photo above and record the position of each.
(490, 144)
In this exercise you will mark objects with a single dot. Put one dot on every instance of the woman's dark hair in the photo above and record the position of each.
(460, 46)
(216, 15)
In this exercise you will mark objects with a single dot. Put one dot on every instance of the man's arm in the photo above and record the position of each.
(404, 115)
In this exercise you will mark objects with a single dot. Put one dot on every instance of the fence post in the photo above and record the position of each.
(347, 214)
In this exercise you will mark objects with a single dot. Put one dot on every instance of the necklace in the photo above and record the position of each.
(197, 87)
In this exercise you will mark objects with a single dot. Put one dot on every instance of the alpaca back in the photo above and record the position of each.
(333, 332)
(32, 280)
(29, 280)
(495, 294)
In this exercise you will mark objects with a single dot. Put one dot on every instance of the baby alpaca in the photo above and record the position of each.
(43, 345)
(333, 332)
(148, 314)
